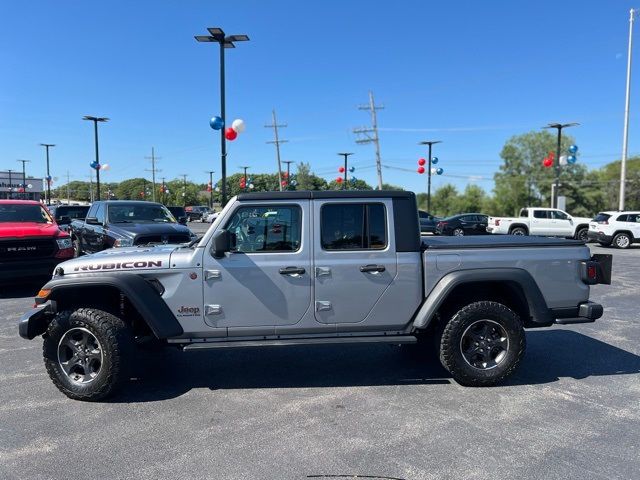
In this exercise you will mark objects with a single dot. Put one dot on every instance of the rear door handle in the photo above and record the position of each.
(372, 268)
(292, 271)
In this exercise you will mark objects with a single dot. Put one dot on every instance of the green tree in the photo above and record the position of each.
(351, 185)
(444, 201)
(390, 186)
(306, 180)
(472, 199)
(608, 179)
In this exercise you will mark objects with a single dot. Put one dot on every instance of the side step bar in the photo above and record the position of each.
(394, 339)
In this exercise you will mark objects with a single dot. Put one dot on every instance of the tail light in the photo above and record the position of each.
(441, 224)
(497, 222)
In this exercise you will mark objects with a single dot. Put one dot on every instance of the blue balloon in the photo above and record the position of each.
(573, 149)
(293, 183)
(216, 123)
(93, 165)
(353, 179)
(434, 160)
(571, 159)
(352, 169)
(439, 171)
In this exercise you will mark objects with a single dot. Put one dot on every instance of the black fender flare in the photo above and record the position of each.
(144, 297)
(538, 309)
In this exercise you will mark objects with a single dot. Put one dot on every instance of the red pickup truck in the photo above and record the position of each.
(31, 244)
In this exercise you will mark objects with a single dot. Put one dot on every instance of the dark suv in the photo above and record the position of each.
(123, 223)
(179, 213)
(63, 214)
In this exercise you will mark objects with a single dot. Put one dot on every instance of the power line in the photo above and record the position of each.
(370, 134)
(277, 143)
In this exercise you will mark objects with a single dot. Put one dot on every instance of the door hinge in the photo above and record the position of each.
(323, 305)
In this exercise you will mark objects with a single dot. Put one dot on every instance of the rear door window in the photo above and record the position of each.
(353, 226)
(540, 214)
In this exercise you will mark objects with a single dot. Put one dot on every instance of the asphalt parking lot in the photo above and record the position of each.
(572, 410)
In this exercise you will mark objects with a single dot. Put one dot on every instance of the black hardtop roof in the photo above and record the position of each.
(311, 194)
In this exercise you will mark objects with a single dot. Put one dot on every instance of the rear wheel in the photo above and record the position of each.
(482, 344)
(87, 352)
(622, 240)
(519, 231)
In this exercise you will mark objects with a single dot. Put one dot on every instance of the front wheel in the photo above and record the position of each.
(87, 352)
(482, 344)
(622, 240)
(583, 235)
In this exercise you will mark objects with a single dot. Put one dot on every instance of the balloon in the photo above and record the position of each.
(439, 171)
(29, 186)
(562, 160)
(573, 149)
(571, 159)
(293, 183)
(230, 134)
(547, 162)
(285, 174)
(352, 169)
(93, 165)
(434, 160)
(420, 169)
(422, 161)
(238, 125)
(216, 123)
(341, 169)
(433, 170)
(283, 183)
(339, 179)
(105, 166)
(251, 186)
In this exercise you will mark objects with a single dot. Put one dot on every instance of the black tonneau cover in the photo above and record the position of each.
(491, 241)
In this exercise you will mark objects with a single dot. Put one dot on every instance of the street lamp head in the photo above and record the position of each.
(216, 31)
(47, 144)
(430, 142)
(95, 119)
(561, 125)
(228, 44)
(238, 38)
(204, 38)
(345, 153)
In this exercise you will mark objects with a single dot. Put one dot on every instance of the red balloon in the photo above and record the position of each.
(547, 162)
(283, 183)
(422, 161)
(285, 174)
(420, 169)
(339, 179)
(341, 169)
(230, 134)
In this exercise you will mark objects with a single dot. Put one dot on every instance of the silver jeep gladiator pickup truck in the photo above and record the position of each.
(283, 268)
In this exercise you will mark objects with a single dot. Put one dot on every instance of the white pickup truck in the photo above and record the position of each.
(548, 222)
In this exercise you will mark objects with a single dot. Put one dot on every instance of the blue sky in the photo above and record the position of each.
(469, 73)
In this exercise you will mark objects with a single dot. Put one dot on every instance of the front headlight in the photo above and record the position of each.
(123, 242)
(64, 243)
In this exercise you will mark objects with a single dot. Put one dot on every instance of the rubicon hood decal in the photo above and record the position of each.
(119, 265)
(115, 259)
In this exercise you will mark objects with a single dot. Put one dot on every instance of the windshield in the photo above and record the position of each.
(24, 213)
(133, 213)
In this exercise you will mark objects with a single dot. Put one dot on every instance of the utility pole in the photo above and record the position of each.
(68, 190)
(370, 135)
(91, 187)
(24, 178)
(47, 146)
(559, 127)
(245, 168)
(288, 162)
(277, 143)
(625, 133)
(10, 185)
(210, 172)
(184, 189)
(346, 168)
(153, 171)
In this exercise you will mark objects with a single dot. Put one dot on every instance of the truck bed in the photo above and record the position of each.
(494, 241)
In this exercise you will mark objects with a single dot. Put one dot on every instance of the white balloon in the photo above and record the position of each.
(433, 170)
(251, 186)
(105, 166)
(563, 159)
(238, 125)
(29, 186)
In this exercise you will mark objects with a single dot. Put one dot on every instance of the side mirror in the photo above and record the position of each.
(64, 220)
(223, 241)
(92, 221)
(182, 220)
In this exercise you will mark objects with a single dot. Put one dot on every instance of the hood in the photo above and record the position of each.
(122, 259)
(29, 229)
(135, 229)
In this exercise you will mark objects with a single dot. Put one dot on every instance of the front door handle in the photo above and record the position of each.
(372, 268)
(292, 271)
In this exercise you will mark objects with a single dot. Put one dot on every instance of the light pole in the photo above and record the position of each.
(95, 121)
(346, 169)
(430, 143)
(184, 189)
(9, 196)
(217, 35)
(625, 133)
(47, 146)
(288, 162)
(556, 183)
(210, 172)
(244, 178)
(24, 178)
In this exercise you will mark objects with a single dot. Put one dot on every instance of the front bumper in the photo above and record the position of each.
(28, 269)
(35, 321)
(586, 312)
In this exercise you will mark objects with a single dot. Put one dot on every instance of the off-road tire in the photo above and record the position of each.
(582, 234)
(116, 342)
(519, 231)
(618, 240)
(451, 355)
